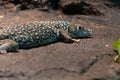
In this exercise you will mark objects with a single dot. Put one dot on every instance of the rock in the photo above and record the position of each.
(79, 7)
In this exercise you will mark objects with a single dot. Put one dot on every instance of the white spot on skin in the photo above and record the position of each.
(23, 40)
(34, 30)
(36, 26)
(19, 32)
(37, 37)
(43, 36)
(36, 33)
(43, 28)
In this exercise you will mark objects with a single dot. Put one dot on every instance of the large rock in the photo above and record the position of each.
(31, 4)
(79, 7)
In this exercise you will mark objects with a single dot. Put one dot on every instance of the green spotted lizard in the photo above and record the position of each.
(34, 34)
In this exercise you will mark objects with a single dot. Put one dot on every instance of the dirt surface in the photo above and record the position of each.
(91, 59)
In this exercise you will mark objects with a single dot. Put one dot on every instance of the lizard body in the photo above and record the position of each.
(40, 33)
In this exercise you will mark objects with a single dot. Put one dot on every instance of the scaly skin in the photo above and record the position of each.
(40, 33)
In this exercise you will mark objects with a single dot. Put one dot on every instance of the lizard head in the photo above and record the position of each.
(78, 31)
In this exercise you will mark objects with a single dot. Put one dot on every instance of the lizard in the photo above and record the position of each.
(40, 33)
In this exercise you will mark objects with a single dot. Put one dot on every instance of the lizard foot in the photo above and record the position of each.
(76, 40)
(3, 51)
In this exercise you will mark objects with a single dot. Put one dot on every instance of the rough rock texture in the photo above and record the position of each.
(91, 59)
(84, 7)
(31, 4)
(79, 7)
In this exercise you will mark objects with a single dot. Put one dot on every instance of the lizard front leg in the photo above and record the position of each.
(7, 45)
(66, 37)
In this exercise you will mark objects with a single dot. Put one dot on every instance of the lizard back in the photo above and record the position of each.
(35, 33)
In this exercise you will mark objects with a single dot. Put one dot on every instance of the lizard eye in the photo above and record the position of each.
(80, 27)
